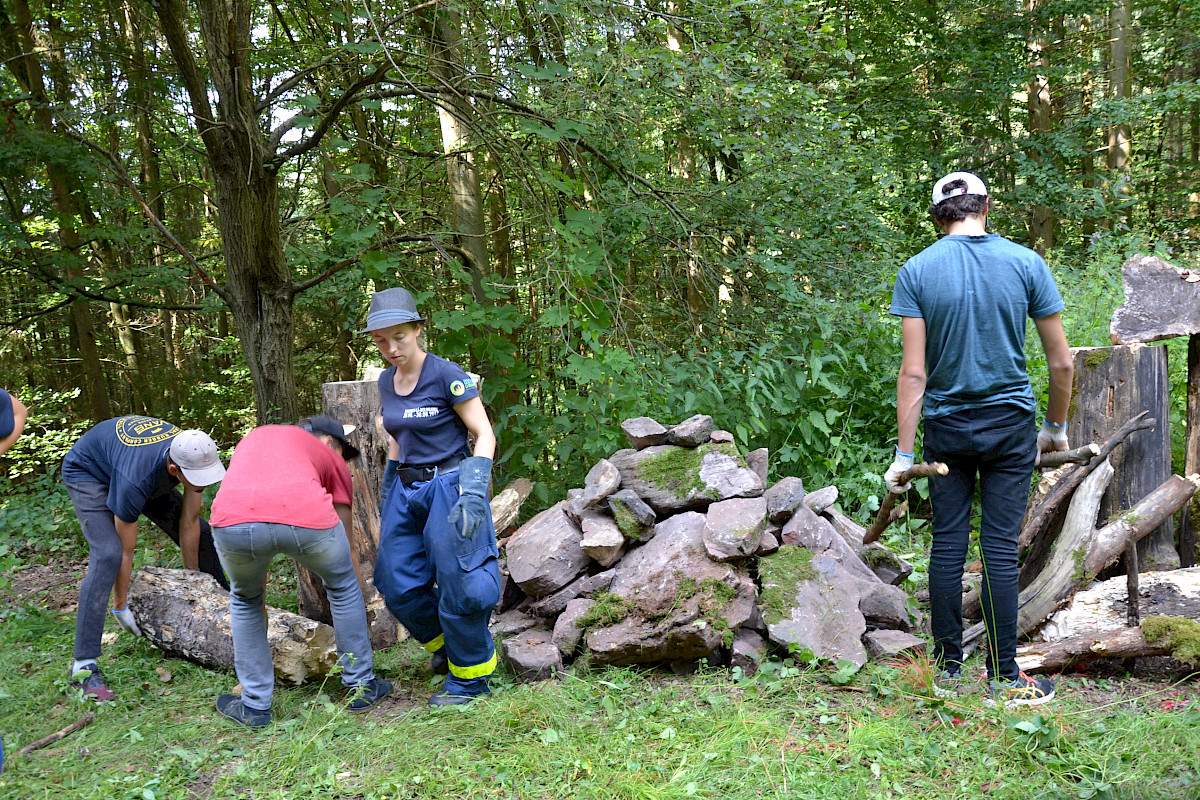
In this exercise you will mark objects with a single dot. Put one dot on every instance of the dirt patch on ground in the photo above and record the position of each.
(52, 586)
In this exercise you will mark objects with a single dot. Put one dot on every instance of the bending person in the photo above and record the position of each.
(119, 470)
(437, 564)
(288, 491)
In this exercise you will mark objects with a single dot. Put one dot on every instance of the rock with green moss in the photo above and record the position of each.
(635, 520)
(669, 600)
(672, 479)
(1183, 636)
(732, 528)
(810, 602)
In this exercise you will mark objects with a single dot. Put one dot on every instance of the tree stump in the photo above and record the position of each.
(1112, 385)
(356, 403)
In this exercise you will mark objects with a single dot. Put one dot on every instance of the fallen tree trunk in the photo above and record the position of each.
(1054, 656)
(1081, 551)
(186, 613)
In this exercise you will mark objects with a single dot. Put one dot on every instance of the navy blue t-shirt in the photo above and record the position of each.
(424, 422)
(129, 456)
(7, 420)
(975, 294)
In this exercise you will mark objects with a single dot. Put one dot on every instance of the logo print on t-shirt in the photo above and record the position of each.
(141, 431)
(457, 388)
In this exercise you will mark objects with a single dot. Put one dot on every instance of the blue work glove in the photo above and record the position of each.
(389, 477)
(472, 508)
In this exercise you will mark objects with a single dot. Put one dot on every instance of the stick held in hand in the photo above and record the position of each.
(883, 517)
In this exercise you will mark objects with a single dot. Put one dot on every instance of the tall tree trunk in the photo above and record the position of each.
(28, 71)
(1121, 60)
(1042, 219)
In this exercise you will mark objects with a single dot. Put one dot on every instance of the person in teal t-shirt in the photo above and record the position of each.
(963, 304)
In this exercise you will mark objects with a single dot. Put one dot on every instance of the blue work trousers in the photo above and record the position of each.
(246, 551)
(440, 586)
(996, 445)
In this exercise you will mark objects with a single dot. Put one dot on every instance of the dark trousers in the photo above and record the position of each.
(997, 446)
(104, 554)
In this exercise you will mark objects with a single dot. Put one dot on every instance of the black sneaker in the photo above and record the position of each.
(90, 681)
(1020, 691)
(439, 664)
(231, 706)
(367, 695)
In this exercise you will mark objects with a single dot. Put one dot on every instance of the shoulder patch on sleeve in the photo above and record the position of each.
(457, 388)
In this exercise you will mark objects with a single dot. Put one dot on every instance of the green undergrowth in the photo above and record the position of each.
(611, 733)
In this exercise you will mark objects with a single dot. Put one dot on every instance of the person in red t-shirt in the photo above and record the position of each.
(287, 490)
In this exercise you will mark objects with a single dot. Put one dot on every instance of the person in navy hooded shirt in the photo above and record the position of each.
(119, 470)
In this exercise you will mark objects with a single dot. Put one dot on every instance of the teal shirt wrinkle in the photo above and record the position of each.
(975, 294)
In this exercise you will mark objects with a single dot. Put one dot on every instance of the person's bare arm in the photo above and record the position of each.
(20, 414)
(189, 528)
(127, 532)
(910, 384)
(343, 512)
(475, 417)
(1058, 360)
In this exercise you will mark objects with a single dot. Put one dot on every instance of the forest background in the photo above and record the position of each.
(606, 209)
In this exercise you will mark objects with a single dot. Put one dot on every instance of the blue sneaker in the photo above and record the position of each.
(232, 707)
(367, 695)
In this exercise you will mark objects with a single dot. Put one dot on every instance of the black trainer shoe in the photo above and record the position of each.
(439, 664)
(1020, 691)
(231, 706)
(367, 695)
(90, 681)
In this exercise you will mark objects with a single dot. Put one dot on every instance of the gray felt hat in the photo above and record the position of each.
(391, 307)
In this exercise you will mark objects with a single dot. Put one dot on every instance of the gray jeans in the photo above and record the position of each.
(246, 552)
(104, 554)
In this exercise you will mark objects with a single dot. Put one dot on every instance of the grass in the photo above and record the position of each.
(613, 733)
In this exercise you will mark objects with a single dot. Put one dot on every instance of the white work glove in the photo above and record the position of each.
(126, 621)
(1052, 438)
(903, 462)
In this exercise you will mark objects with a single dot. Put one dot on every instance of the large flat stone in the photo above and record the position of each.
(733, 528)
(672, 479)
(545, 554)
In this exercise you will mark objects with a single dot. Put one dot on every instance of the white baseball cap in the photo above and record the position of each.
(195, 453)
(974, 185)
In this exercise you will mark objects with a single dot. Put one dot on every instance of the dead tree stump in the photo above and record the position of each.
(1114, 384)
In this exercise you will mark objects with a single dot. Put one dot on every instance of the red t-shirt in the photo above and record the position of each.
(281, 473)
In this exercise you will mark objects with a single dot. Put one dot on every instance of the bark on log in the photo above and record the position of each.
(1043, 520)
(1113, 384)
(1188, 554)
(884, 516)
(506, 506)
(1054, 656)
(186, 613)
(1081, 552)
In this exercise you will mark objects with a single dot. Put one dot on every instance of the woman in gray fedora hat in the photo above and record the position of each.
(437, 564)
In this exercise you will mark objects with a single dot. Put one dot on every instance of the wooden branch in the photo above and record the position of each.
(1039, 521)
(884, 516)
(1081, 552)
(1080, 455)
(77, 725)
(1054, 656)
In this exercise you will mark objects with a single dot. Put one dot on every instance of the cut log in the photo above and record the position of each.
(884, 516)
(186, 613)
(1113, 384)
(1081, 551)
(1054, 656)
(1103, 606)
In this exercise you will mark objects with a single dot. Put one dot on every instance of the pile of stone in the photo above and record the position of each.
(676, 550)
